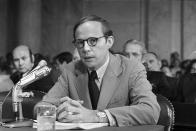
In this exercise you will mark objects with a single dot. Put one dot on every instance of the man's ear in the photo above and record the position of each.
(110, 41)
(160, 64)
(32, 58)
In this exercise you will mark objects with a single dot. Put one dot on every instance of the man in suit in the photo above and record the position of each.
(161, 83)
(24, 61)
(124, 94)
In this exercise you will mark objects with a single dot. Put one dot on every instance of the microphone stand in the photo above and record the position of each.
(17, 102)
(17, 96)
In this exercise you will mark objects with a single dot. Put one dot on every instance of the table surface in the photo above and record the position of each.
(133, 128)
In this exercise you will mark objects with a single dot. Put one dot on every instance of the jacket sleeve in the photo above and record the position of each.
(60, 88)
(143, 107)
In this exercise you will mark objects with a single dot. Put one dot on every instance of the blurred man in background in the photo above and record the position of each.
(24, 62)
(151, 62)
(161, 83)
(134, 49)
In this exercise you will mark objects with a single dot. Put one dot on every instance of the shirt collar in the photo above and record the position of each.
(101, 71)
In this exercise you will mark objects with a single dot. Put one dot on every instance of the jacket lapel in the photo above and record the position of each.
(82, 89)
(82, 84)
(110, 82)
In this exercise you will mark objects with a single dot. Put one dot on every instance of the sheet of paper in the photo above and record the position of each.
(60, 125)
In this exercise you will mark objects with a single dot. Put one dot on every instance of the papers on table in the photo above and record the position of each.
(60, 125)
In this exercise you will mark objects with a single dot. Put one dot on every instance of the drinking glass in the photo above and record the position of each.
(1, 109)
(46, 117)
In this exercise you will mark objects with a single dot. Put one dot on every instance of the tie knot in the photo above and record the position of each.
(93, 75)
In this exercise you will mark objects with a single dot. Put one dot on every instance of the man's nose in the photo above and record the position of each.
(21, 62)
(86, 46)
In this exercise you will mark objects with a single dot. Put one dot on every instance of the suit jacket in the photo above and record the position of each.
(161, 84)
(125, 91)
(186, 88)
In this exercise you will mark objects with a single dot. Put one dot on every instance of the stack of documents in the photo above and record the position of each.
(60, 125)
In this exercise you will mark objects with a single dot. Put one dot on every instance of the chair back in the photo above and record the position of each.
(167, 114)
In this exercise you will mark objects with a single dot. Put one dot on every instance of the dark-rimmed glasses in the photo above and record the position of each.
(91, 41)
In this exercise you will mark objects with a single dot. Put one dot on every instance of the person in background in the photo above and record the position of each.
(175, 63)
(161, 83)
(59, 61)
(24, 62)
(151, 61)
(183, 68)
(102, 87)
(134, 49)
(5, 82)
(166, 71)
(191, 68)
(165, 68)
(10, 64)
(164, 62)
(192, 55)
(62, 57)
(186, 89)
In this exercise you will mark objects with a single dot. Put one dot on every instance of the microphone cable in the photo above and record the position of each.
(1, 122)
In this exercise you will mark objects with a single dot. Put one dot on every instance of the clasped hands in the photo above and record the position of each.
(71, 110)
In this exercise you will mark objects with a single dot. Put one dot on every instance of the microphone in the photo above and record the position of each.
(28, 79)
(34, 75)
(40, 64)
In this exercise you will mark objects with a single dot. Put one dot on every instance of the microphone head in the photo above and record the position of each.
(42, 63)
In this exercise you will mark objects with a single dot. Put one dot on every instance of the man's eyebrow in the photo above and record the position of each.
(15, 58)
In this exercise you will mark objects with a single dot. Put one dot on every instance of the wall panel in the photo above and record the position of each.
(58, 18)
(161, 28)
(123, 16)
(189, 27)
(3, 29)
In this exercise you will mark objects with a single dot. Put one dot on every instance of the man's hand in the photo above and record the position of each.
(73, 111)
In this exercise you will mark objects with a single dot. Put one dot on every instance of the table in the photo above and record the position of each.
(134, 128)
(30, 102)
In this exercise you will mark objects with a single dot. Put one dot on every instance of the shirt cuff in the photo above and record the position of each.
(111, 119)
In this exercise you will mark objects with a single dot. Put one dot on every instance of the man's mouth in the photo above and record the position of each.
(88, 58)
(21, 68)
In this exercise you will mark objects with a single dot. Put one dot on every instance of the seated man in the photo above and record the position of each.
(160, 82)
(24, 62)
(102, 87)
(134, 49)
(186, 89)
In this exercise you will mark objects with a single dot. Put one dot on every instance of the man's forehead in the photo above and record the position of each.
(149, 57)
(20, 52)
(133, 48)
(89, 28)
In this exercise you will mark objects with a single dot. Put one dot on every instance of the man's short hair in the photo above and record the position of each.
(155, 55)
(64, 57)
(135, 42)
(30, 52)
(105, 25)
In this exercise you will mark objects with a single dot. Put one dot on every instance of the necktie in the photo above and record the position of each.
(93, 89)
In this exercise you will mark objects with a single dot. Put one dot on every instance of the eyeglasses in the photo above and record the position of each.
(91, 41)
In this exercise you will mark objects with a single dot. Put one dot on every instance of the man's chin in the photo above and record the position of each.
(89, 64)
